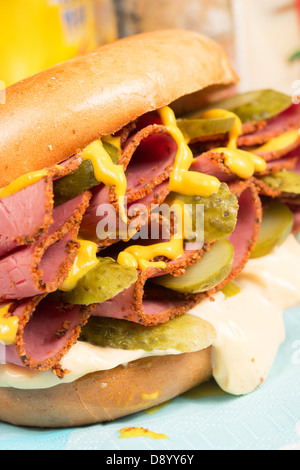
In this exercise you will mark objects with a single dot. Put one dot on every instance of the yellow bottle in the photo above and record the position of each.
(36, 34)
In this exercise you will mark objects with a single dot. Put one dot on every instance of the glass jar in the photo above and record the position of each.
(36, 34)
(106, 21)
(210, 17)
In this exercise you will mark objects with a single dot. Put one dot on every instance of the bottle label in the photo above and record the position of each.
(76, 18)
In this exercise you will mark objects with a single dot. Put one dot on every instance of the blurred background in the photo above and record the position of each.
(260, 36)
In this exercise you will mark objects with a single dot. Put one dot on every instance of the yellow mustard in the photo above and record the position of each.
(144, 264)
(237, 128)
(140, 256)
(241, 163)
(22, 183)
(183, 181)
(106, 171)
(85, 261)
(186, 182)
(8, 326)
(127, 260)
(143, 254)
(281, 142)
(126, 433)
(113, 140)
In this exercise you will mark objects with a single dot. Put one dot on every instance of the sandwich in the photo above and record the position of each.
(148, 215)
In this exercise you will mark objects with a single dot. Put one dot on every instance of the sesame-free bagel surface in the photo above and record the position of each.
(51, 115)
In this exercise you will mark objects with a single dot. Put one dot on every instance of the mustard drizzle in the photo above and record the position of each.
(8, 326)
(85, 261)
(182, 180)
(191, 183)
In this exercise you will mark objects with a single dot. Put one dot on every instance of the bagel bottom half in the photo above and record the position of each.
(107, 395)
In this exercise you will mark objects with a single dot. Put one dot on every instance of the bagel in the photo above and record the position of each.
(52, 371)
(107, 395)
(51, 115)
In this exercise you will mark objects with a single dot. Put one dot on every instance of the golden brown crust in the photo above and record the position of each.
(49, 116)
(108, 395)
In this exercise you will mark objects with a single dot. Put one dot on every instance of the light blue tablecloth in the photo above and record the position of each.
(202, 419)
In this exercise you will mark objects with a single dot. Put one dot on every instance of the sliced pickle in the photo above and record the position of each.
(231, 289)
(102, 283)
(193, 128)
(204, 275)
(112, 151)
(285, 181)
(75, 184)
(183, 334)
(80, 180)
(220, 212)
(276, 225)
(257, 105)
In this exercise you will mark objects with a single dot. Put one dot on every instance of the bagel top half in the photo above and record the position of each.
(49, 116)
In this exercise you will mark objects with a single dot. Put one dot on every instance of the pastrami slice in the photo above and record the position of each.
(296, 214)
(248, 224)
(147, 158)
(212, 163)
(148, 305)
(27, 215)
(44, 266)
(152, 306)
(42, 348)
(287, 120)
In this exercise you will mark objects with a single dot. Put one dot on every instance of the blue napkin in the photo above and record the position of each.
(202, 419)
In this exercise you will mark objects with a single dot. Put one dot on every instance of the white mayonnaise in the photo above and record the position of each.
(249, 327)
(82, 359)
